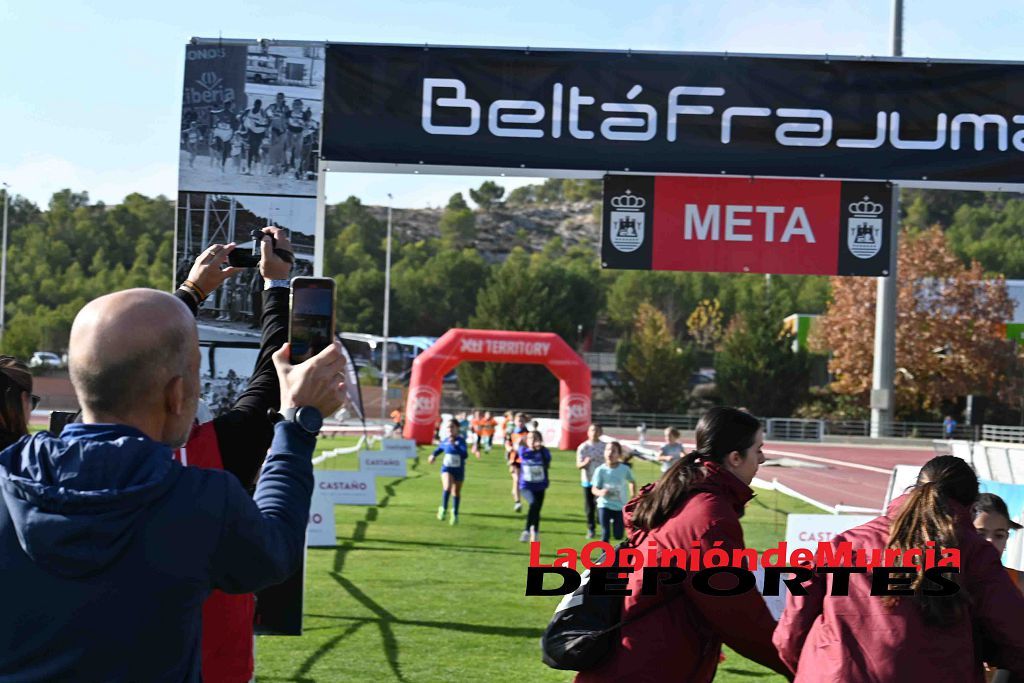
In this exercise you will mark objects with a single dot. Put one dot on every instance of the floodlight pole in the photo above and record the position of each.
(884, 365)
(387, 311)
(3, 264)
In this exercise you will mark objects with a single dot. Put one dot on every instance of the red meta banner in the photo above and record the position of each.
(746, 225)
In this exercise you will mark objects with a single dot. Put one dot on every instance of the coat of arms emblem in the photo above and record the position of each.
(864, 228)
(627, 222)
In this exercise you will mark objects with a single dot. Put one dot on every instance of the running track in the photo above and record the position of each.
(833, 474)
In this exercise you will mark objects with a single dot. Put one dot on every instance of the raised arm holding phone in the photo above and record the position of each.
(237, 440)
(108, 546)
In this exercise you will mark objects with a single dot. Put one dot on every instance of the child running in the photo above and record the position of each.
(590, 456)
(487, 427)
(474, 432)
(453, 471)
(513, 439)
(614, 486)
(534, 461)
(672, 450)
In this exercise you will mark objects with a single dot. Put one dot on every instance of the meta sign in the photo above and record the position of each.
(746, 225)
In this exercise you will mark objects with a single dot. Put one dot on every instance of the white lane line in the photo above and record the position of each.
(790, 454)
(830, 461)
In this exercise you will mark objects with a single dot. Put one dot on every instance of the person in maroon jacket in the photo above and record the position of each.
(701, 497)
(862, 638)
(237, 441)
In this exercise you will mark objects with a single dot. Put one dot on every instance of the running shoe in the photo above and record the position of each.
(590, 533)
(454, 519)
(440, 512)
(518, 507)
(524, 537)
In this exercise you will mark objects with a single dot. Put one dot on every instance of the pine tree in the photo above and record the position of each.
(547, 292)
(489, 194)
(757, 368)
(653, 367)
(458, 224)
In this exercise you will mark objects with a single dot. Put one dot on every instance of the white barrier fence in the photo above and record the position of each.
(1002, 433)
(997, 461)
(792, 429)
(353, 487)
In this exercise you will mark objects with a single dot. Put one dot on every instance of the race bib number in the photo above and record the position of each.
(533, 473)
(452, 460)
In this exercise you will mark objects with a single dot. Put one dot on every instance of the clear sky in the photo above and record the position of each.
(90, 92)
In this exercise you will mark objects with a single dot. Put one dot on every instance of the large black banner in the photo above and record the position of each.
(675, 113)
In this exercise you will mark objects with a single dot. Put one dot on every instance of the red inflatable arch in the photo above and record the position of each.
(540, 348)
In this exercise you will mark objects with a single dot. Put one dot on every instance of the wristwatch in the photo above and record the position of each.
(270, 284)
(306, 417)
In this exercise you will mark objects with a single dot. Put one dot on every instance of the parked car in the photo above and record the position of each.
(45, 359)
(699, 378)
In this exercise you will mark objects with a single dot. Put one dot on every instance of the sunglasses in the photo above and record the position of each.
(35, 400)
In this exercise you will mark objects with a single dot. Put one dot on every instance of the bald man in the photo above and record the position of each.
(108, 547)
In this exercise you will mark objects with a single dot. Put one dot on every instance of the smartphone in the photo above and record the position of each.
(311, 321)
(59, 419)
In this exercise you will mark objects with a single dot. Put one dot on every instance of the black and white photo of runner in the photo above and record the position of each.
(206, 218)
(251, 119)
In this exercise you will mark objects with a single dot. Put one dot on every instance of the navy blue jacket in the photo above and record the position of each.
(108, 548)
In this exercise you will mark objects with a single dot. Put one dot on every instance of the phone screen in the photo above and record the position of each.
(312, 317)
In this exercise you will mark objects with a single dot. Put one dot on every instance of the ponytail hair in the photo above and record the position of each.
(720, 432)
(928, 515)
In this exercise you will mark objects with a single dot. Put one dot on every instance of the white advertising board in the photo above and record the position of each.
(806, 531)
(320, 530)
(901, 479)
(383, 463)
(405, 448)
(336, 487)
(344, 487)
(551, 430)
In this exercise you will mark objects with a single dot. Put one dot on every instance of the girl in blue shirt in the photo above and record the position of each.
(453, 470)
(613, 486)
(534, 461)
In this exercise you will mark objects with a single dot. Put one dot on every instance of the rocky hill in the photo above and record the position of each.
(506, 226)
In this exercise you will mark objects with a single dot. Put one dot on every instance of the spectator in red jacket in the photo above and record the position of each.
(862, 638)
(701, 497)
(237, 441)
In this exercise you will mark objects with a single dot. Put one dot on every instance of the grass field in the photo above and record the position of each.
(404, 597)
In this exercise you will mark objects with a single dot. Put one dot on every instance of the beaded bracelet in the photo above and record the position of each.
(192, 292)
(200, 292)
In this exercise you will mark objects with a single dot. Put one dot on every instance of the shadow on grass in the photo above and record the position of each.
(384, 619)
(455, 547)
(341, 554)
(359, 533)
(520, 516)
(307, 666)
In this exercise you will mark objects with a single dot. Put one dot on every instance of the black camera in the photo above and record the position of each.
(240, 259)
